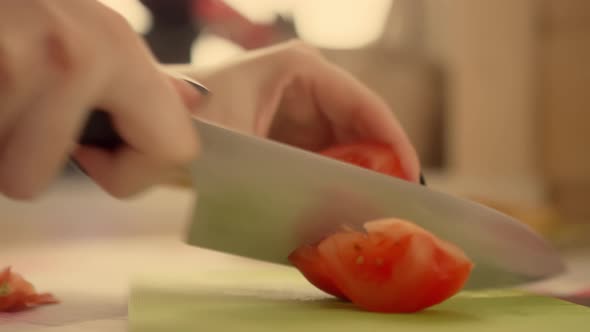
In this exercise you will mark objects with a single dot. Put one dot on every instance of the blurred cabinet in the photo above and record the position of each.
(518, 113)
(564, 100)
(488, 50)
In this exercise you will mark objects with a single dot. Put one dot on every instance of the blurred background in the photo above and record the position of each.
(492, 93)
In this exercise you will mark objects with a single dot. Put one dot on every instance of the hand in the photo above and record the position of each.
(60, 59)
(289, 93)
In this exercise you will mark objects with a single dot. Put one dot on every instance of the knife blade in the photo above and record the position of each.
(261, 199)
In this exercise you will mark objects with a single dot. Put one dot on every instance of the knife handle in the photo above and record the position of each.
(99, 131)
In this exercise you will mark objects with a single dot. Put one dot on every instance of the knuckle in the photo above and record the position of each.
(61, 49)
(66, 51)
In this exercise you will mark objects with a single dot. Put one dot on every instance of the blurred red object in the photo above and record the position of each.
(17, 294)
(584, 293)
(221, 19)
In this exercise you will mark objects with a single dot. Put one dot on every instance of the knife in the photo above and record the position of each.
(261, 199)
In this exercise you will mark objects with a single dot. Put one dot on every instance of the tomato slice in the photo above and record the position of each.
(374, 156)
(17, 294)
(311, 265)
(394, 266)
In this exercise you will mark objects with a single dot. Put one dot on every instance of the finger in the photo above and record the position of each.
(21, 46)
(150, 115)
(147, 110)
(36, 148)
(37, 144)
(356, 112)
(17, 87)
(124, 173)
(298, 122)
(352, 111)
(190, 99)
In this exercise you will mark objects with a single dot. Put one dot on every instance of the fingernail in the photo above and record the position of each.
(198, 86)
(194, 95)
(202, 89)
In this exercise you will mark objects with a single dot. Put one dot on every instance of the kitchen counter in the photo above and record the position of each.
(87, 248)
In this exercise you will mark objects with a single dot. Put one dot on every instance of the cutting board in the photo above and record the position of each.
(281, 300)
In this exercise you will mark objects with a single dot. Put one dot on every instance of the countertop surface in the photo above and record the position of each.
(87, 248)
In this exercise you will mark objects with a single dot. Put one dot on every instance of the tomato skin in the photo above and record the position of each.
(395, 266)
(308, 259)
(18, 294)
(378, 157)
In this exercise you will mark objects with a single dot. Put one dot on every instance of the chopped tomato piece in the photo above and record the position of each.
(394, 266)
(17, 294)
(374, 156)
(311, 265)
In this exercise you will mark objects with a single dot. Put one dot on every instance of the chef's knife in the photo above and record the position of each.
(261, 199)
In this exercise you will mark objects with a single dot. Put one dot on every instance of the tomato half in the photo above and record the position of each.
(395, 266)
(312, 266)
(17, 294)
(374, 156)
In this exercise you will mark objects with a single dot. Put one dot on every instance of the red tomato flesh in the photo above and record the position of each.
(395, 266)
(312, 266)
(17, 294)
(374, 156)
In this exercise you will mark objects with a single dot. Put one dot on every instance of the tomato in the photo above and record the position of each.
(313, 268)
(17, 294)
(391, 266)
(394, 266)
(374, 156)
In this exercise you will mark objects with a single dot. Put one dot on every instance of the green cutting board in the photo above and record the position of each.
(281, 300)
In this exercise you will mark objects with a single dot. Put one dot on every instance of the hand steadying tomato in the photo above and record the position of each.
(395, 266)
(17, 294)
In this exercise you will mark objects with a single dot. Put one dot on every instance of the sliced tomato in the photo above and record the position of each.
(394, 266)
(17, 294)
(374, 156)
(311, 265)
